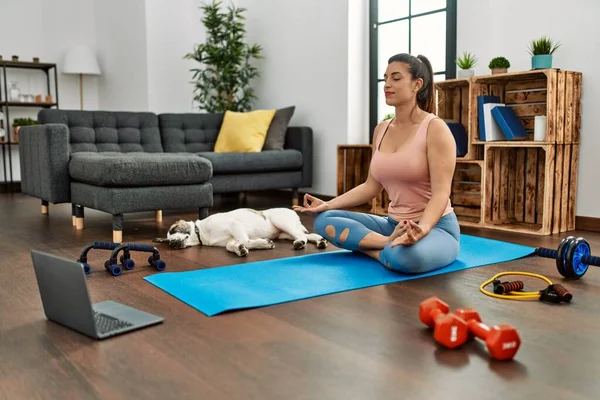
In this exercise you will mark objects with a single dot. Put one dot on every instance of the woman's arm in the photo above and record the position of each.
(441, 155)
(364, 192)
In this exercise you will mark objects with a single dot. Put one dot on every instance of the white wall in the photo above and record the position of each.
(358, 72)
(493, 28)
(306, 64)
(46, 29)
(122, 54)
(171, 32)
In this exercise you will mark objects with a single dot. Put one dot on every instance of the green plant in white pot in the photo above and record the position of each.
(465, 62)
(541, 51)
(499, 65)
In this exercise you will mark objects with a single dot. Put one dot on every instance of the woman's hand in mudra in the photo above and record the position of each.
(312, 204)
(407, 234)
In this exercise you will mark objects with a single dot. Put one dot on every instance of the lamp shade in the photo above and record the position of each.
(80, 60)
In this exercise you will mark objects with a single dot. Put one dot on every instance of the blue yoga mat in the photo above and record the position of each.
(256, 284)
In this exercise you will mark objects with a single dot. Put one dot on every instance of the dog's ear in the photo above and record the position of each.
(160, 240)
(180, 226)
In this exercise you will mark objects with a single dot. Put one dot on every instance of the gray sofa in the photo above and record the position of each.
(123, 162)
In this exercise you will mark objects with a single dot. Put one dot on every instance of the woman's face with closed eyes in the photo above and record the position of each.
(399, 85)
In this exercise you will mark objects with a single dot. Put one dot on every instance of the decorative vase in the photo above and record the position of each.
(541, 61)
(465, 73)
(499, 71)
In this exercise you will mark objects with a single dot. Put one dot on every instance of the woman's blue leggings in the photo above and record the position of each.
(437, 249)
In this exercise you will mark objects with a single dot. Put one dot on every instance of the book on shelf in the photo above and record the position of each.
(492, 131)
(497, 121)
(460, 137)
(481, 101)
(509, 123)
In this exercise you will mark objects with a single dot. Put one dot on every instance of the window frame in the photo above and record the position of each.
(450, 70)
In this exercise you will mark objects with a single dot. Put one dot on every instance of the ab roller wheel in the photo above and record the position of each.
(573, 257)
(125, 260)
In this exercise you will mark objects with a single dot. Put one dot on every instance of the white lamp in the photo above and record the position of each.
(80, 60)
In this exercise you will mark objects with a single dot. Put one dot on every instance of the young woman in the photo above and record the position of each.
(414, 157)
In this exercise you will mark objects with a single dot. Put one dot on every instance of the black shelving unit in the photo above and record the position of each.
(9, 184)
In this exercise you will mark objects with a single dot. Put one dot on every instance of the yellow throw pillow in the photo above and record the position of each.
(243, 132)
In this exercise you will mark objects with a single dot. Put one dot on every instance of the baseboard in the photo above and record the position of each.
(587, 224)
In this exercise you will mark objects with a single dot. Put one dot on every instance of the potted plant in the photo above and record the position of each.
(541, 51)
(465, 63)
(499, 65)
(19, 122)
(223, 81)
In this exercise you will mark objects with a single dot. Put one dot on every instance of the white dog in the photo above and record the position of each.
(241, 230)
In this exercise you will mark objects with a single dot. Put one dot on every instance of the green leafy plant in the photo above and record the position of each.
(499, 62)
(24, 122)
(466, 60)
(223, 81)
(543, 45)
(388, 116)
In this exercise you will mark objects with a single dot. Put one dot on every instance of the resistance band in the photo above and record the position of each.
(554, 293)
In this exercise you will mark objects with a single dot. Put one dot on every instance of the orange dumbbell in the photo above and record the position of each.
(449, 330)
(502, 341)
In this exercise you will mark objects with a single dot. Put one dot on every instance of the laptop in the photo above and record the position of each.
(65, 298)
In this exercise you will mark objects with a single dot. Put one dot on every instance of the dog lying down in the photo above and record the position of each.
(242, 230)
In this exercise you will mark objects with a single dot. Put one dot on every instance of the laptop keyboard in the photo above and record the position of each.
(106, 323)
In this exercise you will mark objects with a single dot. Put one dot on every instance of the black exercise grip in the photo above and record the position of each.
(591, 260)
(140, 247)
(563, 292)
(546, 253)
(506, 287)
(105, 245)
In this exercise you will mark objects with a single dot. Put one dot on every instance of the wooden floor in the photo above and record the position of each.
(362, 344)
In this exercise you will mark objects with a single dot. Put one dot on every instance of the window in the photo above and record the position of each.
(425, 27)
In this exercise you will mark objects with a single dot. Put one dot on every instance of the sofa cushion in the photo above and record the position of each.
(189, 132)
(109, 131)
(264, 161)
(138, 169)
(243, 132)
(275, 139)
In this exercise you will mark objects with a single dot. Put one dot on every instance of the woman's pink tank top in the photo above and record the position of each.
(405, 175)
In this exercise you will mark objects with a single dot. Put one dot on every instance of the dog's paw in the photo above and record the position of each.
(299, 244)
(241, 250)
(270, 244)
(321, 244)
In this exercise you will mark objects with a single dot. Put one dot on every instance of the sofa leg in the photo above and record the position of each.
(73, 214)
(295, 197)
(242, 198)
(44, 207)
(158, 215)
(79, 217)
(117, 222)
(203, 212)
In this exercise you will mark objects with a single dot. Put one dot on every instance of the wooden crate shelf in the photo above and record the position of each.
(466, 192)
(531, 189)
(452, 98)
(550, 92)
(518, 186)
(518, 189)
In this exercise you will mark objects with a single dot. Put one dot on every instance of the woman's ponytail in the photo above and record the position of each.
(426, 95)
